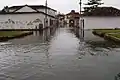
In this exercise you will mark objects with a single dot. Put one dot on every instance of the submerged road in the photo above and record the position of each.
(60, 55)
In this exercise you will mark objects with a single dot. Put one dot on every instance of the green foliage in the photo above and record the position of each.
(10, 33)
(117, 35)
(102, 11)
(93, 4)
(107, 31)
(108, 34)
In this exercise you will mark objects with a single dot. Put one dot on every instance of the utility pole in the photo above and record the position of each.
(46, 20)
(46, 4)
(80, 8)
(81, 21)
(80, 4)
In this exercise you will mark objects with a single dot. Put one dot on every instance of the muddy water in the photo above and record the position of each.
(59, 55)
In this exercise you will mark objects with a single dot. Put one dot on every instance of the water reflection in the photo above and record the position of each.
(117, 77)
(59, 54)
(78, 33)
(92, 47)
(45, 35)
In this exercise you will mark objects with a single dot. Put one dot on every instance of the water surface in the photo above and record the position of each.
(60, 54)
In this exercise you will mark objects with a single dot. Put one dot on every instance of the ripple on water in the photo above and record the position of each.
(36, 60)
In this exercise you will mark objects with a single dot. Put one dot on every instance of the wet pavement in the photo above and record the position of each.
(60, 54)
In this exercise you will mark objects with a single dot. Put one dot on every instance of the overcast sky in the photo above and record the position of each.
(62, 6)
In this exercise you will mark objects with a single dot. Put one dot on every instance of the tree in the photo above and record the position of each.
(5, 9)
(93, 4)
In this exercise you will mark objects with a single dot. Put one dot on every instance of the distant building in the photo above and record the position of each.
(72, 18)
(26, 17)
(61, 19)
(103, 11)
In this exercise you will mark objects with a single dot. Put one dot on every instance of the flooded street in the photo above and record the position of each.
(59, 55)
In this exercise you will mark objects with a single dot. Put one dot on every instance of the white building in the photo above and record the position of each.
(26, 17)
(72, 19)
(61, 20)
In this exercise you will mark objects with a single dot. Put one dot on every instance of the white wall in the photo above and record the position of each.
(11, 10)
(26, 9)
(101, 22)
(42, 10)
(21, 21)
(49, 11)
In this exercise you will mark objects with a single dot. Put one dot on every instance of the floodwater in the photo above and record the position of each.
(60, 54)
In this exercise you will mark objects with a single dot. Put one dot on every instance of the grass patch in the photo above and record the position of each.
(6, 35)
(117, 35)
(107, 31)
(111, 34)
(10, 33)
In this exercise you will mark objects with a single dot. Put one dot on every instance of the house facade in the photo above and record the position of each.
(61, 19)
(27, 17)
(72, 18)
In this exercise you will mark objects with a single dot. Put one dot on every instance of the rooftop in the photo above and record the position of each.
(32, 6)
(103, 11)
